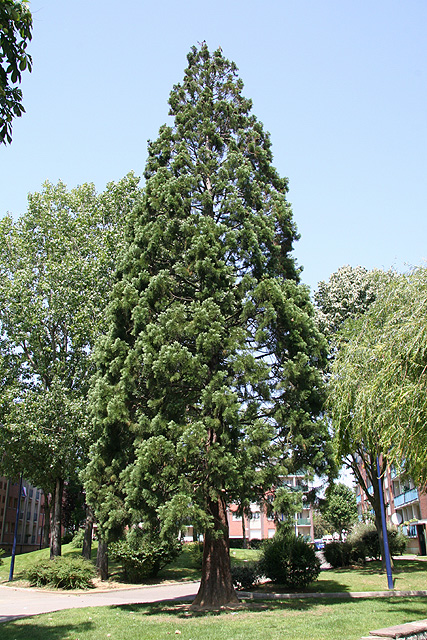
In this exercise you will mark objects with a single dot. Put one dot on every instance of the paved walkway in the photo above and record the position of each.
(18, 602)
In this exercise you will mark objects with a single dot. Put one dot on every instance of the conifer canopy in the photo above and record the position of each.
(209, 381)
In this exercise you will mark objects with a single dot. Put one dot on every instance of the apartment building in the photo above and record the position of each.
(260, 526)
(30, 519)
(405, 505)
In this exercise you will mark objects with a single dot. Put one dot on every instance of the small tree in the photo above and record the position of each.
(340, 508)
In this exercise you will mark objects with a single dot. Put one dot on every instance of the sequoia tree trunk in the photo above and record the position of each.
(55, 540)
(216, 586)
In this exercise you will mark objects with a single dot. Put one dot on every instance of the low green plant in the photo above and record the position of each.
(365, 542)
(289, 561)
(2, 552)
(62, 573)
(339, 554)
(245, 576)
(77, 541)
(142, 556)
(195, 550)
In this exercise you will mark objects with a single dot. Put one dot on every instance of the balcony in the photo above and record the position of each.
(407, 496)
(303, 521)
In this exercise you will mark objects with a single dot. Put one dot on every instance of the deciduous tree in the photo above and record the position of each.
(15, 32)
(56, 270)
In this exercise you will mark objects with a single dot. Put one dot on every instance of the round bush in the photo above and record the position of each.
(338, 554)
(62, 573)
(77, 541)
(289, 561)
(365, 542)
(141, 557)
(246, 575)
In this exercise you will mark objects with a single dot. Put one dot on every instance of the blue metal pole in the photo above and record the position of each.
(385, 536)
(12, 560)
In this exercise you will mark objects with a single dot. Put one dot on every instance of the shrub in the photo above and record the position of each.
(245, 576)
(339, 554)
(289, 561)
(1, 556)
(77, 541)
(364, 540)
(62, 573)
(142, 557)
(196, 553)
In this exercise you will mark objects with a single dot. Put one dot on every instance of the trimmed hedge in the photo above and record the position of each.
(62, 573)
(289, 561)
(142, 558)
(245, 576)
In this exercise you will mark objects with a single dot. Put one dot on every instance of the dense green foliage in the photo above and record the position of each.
(340, 508)
(245, 576)
(290, 561)
(341, 554)
(365, 541)
(341, 305)
(62, 573)
(56, 270)
(15, 32)
(209, 381)
(142, 556)
(379, 382)
(348, 293)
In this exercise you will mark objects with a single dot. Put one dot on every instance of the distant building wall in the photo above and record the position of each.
(31, 515)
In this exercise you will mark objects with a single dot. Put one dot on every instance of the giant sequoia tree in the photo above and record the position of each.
(210, 367)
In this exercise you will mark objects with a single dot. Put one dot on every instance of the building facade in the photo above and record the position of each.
(30, 519)
(405, 505)
(260, 526)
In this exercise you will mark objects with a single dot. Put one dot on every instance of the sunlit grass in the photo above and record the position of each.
(303, 619)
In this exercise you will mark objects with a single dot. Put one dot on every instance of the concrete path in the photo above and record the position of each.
(18, 602)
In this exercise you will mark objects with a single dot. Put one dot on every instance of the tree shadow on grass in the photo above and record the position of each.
(25, 628)
(183, 610)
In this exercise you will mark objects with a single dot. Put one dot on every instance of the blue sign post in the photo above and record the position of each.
(385, 536)
(12, 560)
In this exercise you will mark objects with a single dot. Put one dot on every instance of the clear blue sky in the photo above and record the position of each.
(340, 85)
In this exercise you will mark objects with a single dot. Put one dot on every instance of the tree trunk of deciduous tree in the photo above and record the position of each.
(245, 540)
(46, 521)
(55, 540)
(87, 539)
(102, 559)
(379, 525)
(216, 586)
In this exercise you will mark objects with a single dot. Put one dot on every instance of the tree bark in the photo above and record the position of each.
(55, 541)
(102, 559)
(87, 539)
(374, 498)
(46, 522)
(216, 586)
(245, 540)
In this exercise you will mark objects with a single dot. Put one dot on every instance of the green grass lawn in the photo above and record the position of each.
(407, 574)
(292, 620)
